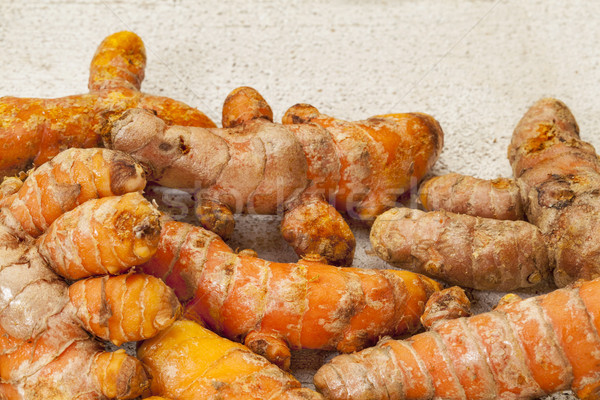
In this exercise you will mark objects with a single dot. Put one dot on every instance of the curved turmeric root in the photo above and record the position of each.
(257, 166)
(481, 253)
(118, 232)
(462, 194)
(401, 149)
(559, 176)
(99, 304)
(47, 126)
(187, 362)
(44, 351)
(71, 367)
(275, 307)
(72, 178)
(522, 350)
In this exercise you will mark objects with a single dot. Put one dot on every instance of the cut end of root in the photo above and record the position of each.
(126, 176)
(169, 314)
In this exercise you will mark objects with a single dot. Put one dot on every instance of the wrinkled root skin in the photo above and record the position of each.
(275, 307)
(523, 349)
(253, 165)
(446, 304)
(559, 178)
(46, 350)
(187, 361)
(480, 253)
(46, 127)
(498, 198)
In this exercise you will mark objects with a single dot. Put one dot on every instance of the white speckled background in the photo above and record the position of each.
(474, 65)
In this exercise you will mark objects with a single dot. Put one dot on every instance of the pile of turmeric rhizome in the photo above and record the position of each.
(86, 259)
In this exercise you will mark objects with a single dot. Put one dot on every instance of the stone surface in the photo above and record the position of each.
(476, 65)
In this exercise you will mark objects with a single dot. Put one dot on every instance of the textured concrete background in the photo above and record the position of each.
(474, 65)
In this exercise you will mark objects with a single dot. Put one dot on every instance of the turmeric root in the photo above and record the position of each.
(559, 177)
(44, 127)
(475, 252)
(70, 367)
(99, 301)
(109, 367)
(255, 165)
(498, 198)
(59, 358)
(188, 362)
(521, 350)
(104, 244)
(71, 178)
(44, 351)
(401, 149)
(273, 307)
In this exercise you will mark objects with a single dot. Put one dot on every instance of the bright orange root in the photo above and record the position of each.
(523, 349)
(45, 127)
(304, 305)
(119, 62)
(124, 308)
(187, 362)
(397, 150)
(118, 233)
(70, 179)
